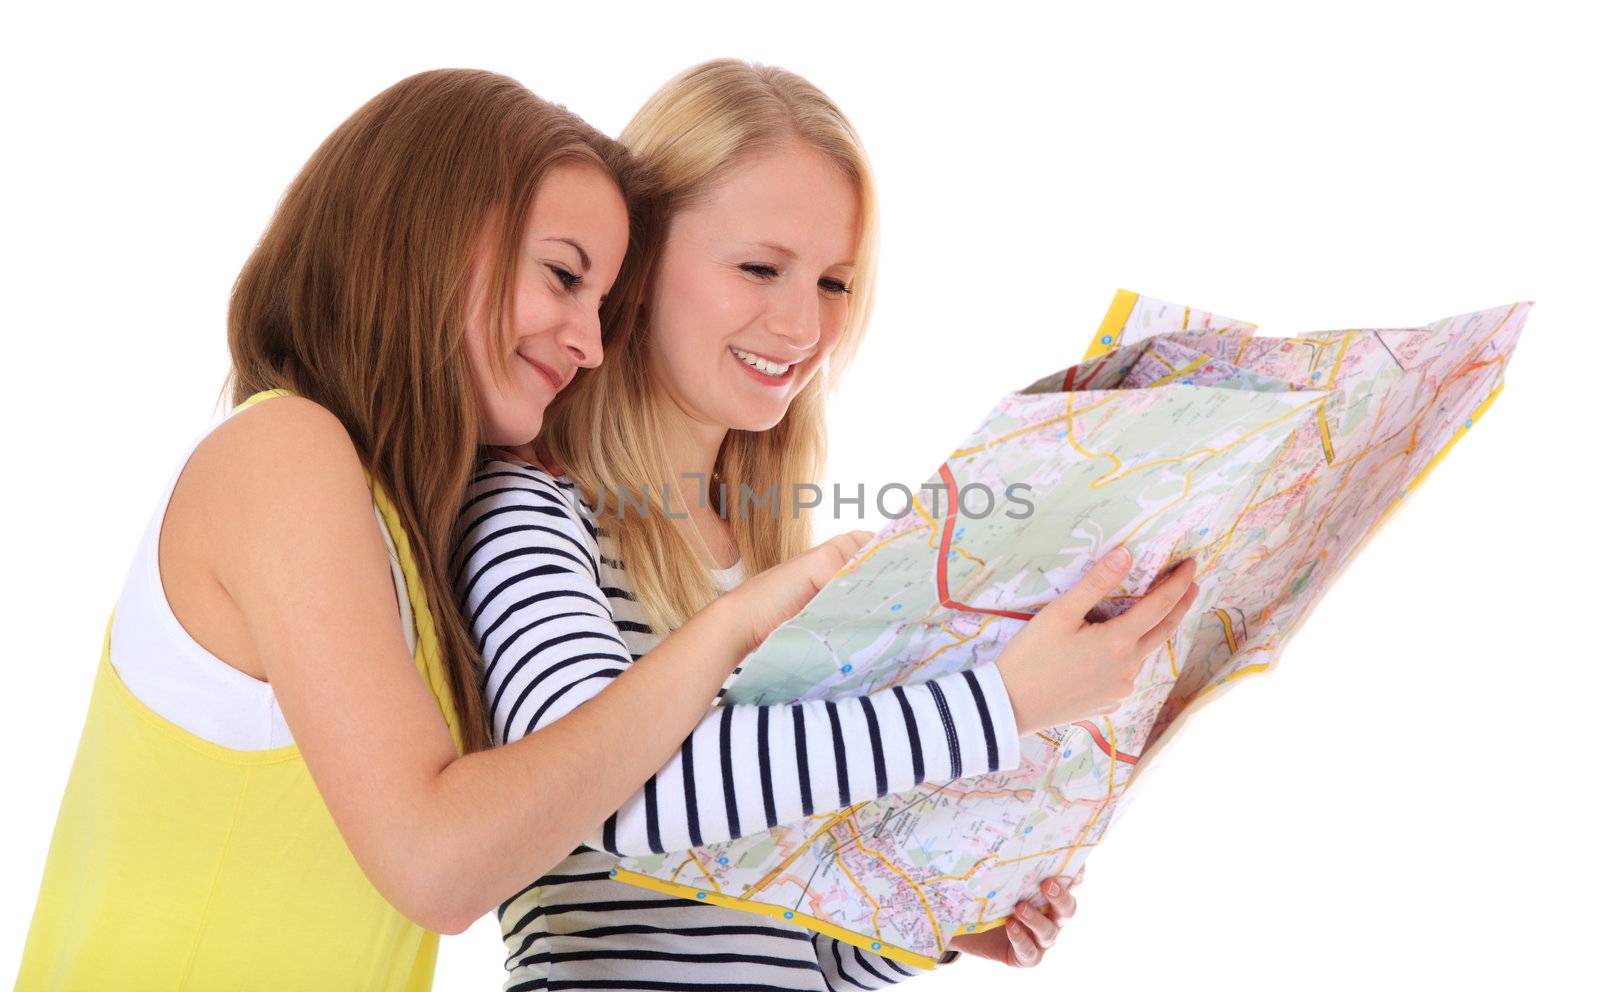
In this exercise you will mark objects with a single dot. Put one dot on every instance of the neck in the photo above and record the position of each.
(695, 450)
(692, 447)
(692, 450)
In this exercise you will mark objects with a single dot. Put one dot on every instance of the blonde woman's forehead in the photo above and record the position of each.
(794, 201)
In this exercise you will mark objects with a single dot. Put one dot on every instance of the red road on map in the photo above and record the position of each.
(942, 578)
(941, 568)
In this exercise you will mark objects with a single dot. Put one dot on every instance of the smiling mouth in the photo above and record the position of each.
(546, 371)
(765, 366)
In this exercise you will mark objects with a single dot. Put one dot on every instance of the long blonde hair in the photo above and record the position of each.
(354, 296)
(605, 429)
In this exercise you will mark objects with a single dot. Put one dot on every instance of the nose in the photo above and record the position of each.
(581, 340)
(798, 317)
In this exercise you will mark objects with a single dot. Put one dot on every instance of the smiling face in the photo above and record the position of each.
(573, 242)
(752, 289)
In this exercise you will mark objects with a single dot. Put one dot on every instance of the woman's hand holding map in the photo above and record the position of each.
(1063, 667)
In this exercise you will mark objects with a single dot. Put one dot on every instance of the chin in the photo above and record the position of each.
(741, 408)
(515, 432)
(756, 423)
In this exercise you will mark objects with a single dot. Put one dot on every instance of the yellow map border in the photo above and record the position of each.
(1111, 326)
(833, 930)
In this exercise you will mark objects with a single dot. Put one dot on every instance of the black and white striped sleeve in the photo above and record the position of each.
(529, 583)
(525, 573)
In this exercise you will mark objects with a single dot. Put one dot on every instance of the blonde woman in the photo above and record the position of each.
(722, 335)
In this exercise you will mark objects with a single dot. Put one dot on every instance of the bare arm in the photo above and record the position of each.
(444, 838)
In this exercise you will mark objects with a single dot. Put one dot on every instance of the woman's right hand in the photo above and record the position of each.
(768, 599)
(1061, 667)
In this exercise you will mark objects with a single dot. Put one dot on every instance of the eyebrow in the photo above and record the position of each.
(583, 256)
(773, 246)
(790, 253)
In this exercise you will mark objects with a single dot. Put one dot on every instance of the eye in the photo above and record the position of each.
(568, 280)
(760, 270)
(834, 287)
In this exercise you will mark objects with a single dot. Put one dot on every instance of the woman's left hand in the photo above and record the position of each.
(1021, 943)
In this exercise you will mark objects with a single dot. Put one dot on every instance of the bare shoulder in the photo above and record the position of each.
(262, 496)
(282, 432)
(282, 469)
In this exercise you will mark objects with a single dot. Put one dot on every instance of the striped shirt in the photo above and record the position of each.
(551, 610)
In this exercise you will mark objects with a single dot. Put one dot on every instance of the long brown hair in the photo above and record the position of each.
(354, 297)
(604, 429)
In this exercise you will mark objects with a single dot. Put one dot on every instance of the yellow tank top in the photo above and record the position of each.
(177, 863)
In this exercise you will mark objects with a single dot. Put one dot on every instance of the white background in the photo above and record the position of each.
(1409, 800)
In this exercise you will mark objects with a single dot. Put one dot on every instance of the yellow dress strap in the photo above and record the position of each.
(429, 656)
(265, 394)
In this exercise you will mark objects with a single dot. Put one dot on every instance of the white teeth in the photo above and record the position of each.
(760, 364)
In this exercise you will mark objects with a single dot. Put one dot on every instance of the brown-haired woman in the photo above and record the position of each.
(282, 780)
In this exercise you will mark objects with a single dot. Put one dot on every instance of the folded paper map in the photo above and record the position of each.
(1269, 460)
